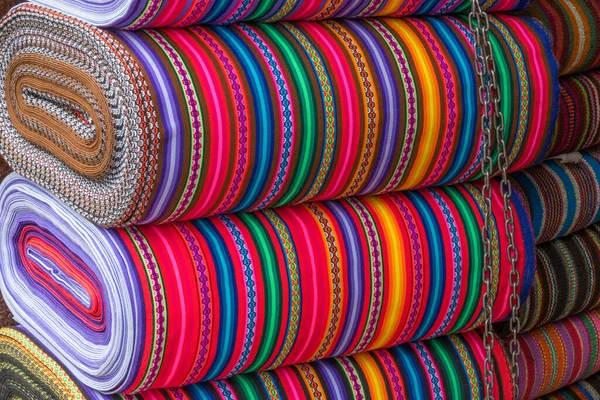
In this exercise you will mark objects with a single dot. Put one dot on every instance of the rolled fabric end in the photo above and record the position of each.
(70, 114)
(556, 355)
(561, 198)
(106, 13)
(88, 297)
(27, 371)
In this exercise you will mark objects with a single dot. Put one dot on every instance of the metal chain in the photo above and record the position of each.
(492, 117)
(479, 22)
(509, 227)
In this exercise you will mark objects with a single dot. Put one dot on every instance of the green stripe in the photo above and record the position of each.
(473, 236)
(272, 286)
(298, 69)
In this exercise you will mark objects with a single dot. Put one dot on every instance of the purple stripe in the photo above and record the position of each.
(355, 280)
(330, 374)
(172, 129)
(390, 100)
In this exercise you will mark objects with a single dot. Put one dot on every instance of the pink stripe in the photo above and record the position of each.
(533, 55)
(345, 110)
(315, 287)
(217, 142)
(182, 303)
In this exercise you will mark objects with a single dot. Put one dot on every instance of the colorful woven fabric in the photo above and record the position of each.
(450, 367)
(566, 280)
(575, 28)
(28, 371)
(162, 125)
(223, 295)
(578, 124)
(562, 197)
(559, 354)
(588, 388)
(133, 14)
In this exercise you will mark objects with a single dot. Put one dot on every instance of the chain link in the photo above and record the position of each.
(492, 117)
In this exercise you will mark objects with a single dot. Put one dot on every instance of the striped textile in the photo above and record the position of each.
(449, 367)
(180, 124)
(588, 388)
(566, 280)
(575, 28)
(223, 295)
(562, 197)
(578, 123)
(134, 14)
(559, 354)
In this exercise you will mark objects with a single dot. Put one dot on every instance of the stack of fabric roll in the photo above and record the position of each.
(255, 199)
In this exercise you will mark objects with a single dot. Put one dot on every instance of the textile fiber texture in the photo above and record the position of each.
(585, 389)
(578, 124)
(575, 29)
(566, 280)
(559, 354)
(562, 197)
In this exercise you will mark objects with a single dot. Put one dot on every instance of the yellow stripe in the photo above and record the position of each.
(376, 382)
(430, 109)
(394, 275)
(392, 7)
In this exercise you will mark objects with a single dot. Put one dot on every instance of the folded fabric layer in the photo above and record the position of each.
(575, 28)
(449, 367)
(565, 282)
(578, 123)
(28, 371)
(134, 14)
(559, 354)
(562, 197)
(163, 125)
(588, 388)
(223, 295)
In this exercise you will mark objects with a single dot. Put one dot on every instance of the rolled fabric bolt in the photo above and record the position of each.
(132, 14)
(449, 366)
(558, 354)
(131, 309)
(156, 126)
